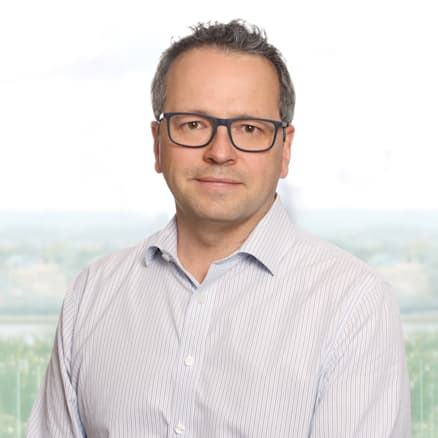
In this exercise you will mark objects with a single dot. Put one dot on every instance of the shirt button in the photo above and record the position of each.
(201, 299)
(179, 429)
(189, 360)
(166, 257)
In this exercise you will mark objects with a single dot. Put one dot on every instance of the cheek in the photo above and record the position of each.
(264, 172)
(277, 164)
(175, 165)
(164, 159)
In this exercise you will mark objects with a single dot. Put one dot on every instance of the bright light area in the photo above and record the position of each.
(75, 109)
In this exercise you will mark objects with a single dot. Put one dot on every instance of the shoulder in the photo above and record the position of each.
(357, 304)
(308, 250)
(120, 262)
(101, 280)
(338, 278)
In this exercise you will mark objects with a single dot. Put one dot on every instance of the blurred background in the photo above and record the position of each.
(76, 166)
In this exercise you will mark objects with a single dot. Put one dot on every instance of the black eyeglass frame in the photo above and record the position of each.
(224, 122)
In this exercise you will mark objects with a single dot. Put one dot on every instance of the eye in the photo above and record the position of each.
(193, 124)
(249, 128)
(187, 124)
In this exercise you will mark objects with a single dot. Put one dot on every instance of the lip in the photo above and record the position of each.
(218, 182)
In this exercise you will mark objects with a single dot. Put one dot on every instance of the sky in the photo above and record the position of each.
(75, 109)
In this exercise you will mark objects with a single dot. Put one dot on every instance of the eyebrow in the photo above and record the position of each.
(235, 116)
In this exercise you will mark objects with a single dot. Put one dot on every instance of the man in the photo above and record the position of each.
(230, 322)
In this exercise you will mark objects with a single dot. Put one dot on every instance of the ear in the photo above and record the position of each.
(155, 128)
(287, 144)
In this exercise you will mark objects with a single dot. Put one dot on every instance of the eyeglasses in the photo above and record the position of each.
(248, 134)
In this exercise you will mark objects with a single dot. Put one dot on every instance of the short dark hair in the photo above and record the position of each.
(237, 35)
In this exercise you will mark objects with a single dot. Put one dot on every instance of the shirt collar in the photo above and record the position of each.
(267, 243)
(164, 241)
(271, 238)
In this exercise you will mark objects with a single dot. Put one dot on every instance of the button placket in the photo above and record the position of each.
(188, 368)
(200, 298)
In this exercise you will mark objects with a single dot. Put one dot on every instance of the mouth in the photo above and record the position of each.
(218, 182)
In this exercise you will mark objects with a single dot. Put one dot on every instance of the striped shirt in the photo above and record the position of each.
(289, 336)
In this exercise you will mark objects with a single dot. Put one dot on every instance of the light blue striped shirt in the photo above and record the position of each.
(287, 337)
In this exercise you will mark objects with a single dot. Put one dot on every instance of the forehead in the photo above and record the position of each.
(213, 79)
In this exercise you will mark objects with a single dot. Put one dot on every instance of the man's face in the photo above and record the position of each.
(218, 183)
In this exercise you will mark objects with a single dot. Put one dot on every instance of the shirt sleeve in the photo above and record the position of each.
(365, 388)
(55, 412)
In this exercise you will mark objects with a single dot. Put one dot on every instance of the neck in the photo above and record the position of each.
(200, 243)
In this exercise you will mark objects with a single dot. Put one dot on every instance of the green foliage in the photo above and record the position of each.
(8, 426)
(422, 356)
(22, 366)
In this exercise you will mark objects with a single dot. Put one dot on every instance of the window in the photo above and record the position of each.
(76, 172)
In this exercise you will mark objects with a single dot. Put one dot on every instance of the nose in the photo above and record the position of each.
(220, 150)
